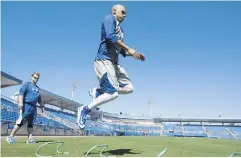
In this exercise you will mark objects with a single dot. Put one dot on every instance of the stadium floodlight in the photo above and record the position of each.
(150, 108)
(220, 115)
(74, 86)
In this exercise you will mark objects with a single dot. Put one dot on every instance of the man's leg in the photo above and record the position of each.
(106, 73)
(30, 130)
(32, 116)
(108, 90)
(15, 129)
(126, 89)
(10, 139)
(30, 127)
(19, 123)
(125, 85)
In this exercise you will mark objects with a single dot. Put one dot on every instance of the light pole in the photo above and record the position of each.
(74, 86)
(150, 108)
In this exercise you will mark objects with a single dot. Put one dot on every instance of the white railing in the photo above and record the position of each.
(9, 99)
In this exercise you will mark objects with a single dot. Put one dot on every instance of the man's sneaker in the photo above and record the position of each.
(82, 116)
(31, 141)
(93, 93)
(10, 140)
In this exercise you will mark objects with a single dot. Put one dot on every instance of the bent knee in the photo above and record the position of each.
(115, 95)
(112, 95)
(129, 88)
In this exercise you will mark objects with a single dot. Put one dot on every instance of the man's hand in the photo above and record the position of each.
(142, 57)
(133, 53)
(139, 56)
(20, 106)
(42, 109)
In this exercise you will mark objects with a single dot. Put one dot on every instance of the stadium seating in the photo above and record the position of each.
(112, 125)
(9, 104)
(194, 131)
(63, 115)
(218, 132)
(190, 128)
(236, 131)
(172, 130)
(8, 113)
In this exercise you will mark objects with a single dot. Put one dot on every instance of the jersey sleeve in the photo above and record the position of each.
(40, 99)
(23, 89)
(109, 26)
(123, 52)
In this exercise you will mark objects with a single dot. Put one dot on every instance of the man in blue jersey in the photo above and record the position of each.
(29, 96)
(113, 79)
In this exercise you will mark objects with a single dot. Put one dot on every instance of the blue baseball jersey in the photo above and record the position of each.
(111, 32)
(30, 93)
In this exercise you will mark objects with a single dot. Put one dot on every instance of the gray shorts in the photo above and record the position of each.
(110, 75)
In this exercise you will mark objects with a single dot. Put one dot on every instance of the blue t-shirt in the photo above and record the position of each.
(30, 93)
(111, 32)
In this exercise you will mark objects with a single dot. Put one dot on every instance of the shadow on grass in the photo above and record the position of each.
(118, 152)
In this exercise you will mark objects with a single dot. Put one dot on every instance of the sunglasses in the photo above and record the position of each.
(35, 77)
(122, 12)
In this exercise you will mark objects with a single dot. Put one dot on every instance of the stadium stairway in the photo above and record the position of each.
(161, 130)
(183, 131)
(232, 133)
(208, 135)
(49, 116)
(63, 121)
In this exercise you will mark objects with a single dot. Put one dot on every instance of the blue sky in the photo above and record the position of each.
(192, 49)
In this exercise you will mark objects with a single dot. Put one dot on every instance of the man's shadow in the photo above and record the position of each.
(45, 141)
(122, 152)
(118, 152)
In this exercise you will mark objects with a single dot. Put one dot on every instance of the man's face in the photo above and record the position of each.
(120, 13)
(35, 78)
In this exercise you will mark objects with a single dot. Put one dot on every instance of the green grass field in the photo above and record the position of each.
(125, 147)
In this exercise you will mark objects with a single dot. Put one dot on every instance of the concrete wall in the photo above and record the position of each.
(6, 128)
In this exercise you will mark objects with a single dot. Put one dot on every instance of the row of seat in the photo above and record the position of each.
(8, 113)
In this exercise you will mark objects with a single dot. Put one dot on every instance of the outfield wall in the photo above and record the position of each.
(39, 130)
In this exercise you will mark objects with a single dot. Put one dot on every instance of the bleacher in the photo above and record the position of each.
(236, 131)
(63, 115)
(218, 132)
(9, 108)
(194, 131)
(172, 130)
(103, 123)
(186, 130)
(8, 113)
(10, 105)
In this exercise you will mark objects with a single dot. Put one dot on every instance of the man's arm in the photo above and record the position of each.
(139, 55)
(40, 101)
(109, 25)
(22, 92)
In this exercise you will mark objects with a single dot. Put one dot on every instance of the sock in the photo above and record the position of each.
(103, 98)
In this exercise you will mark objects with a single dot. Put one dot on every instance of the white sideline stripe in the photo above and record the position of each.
(3, 137)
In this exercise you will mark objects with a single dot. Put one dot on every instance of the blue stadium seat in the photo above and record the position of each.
(8, 113)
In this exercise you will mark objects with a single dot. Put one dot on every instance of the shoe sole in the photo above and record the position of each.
(82, 126)
(90, 93)
(9, 142)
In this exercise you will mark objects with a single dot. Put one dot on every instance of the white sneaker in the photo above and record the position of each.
(78, 114)
(82, 116)
(31, 141)
(92, 93)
